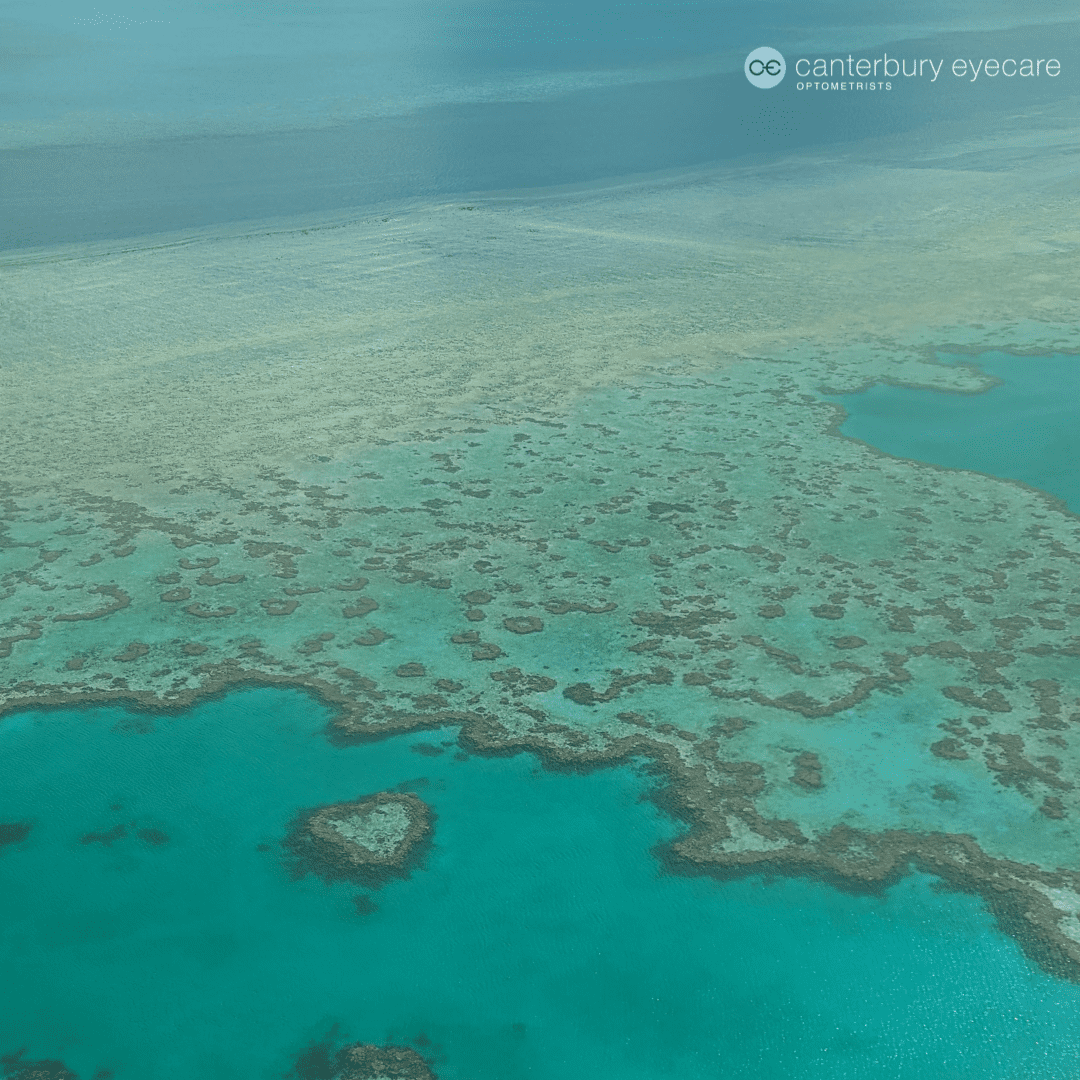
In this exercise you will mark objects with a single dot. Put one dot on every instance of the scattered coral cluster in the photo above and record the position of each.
(844, 663)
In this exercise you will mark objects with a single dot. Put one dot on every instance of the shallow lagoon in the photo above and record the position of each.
(1025, 428)
(539, 939)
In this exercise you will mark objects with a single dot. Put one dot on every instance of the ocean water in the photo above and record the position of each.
(143, 118)
(1024, 428)
(149, 929)
(539, 939)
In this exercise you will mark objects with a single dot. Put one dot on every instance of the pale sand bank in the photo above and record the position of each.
(222, 353)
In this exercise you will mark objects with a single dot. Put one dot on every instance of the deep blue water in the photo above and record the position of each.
(1025, 428)
(539, 940)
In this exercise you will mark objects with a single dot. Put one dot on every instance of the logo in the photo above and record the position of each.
(765, 67)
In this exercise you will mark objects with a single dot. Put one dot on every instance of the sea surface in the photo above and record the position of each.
(151, 928)
(145, 118)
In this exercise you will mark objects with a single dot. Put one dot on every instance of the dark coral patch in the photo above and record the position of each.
(849, 642)
(198, 564)
(362, 607)
(807, 772)
(120, 600)
(16, 1067)
(213, 579)
(518, 682)
(584, 694)
(991, 701)
(949, 749)
(201, 612)
(369, 841)
(132, 652)
(134, 725)
(431, 701)
(563, 607)
(279, 607)
(352, 586)
(14, 832)
(658, 508)
(360, 1061)
(697, 678)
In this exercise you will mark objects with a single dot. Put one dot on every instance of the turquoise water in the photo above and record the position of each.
(1025, 428)
(539, 940)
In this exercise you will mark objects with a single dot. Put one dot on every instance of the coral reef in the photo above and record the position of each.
(368, 840)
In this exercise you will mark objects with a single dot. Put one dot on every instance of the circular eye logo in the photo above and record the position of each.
(765, 67)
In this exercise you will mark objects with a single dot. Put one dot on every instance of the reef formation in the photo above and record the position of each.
(842, 662)
(17, 1066)
(362, 1061)
(368, 840)
(651, 541)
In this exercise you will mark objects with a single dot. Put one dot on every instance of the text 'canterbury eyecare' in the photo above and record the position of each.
(765, 68)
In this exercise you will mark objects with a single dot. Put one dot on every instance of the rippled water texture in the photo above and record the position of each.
(149, 926)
